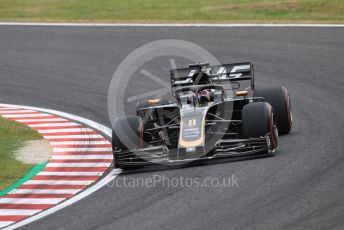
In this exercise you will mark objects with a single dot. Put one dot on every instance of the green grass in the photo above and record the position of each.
(213, 11)
(12, 136)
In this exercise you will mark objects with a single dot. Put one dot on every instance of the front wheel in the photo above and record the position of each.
(126, 134)
(258, 120)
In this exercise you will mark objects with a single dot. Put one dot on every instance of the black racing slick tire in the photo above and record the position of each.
(279, 99)
(125, 136)
(257, 121)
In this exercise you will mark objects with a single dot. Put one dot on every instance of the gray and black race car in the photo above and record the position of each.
(217, 113)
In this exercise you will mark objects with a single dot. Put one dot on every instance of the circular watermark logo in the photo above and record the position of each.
(145, 75)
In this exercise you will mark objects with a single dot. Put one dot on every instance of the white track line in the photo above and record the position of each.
(41, 120)
(31, 200)
(72, 165)
(166, 24)
(71, 130)
(85, 142)
(45, 191)
(26, 115)
(59, 182)
(70, 174)
(16, 111)
(17, 212)
(5, 223)
(80, 157)
(72, 137)
(55, 125)
(93, 149)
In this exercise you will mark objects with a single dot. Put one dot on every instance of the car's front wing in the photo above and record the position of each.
(223, 148)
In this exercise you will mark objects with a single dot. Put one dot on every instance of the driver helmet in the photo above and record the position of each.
(205, 96)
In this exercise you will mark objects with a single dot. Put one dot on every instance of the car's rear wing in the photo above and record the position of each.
(219, 74)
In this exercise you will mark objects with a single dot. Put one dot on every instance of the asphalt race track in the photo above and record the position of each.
(70, 69)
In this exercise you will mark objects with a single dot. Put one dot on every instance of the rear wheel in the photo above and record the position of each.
(279, 99)
(125, 136)
(257, 121)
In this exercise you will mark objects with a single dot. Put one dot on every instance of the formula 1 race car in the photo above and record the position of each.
(213, 116)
